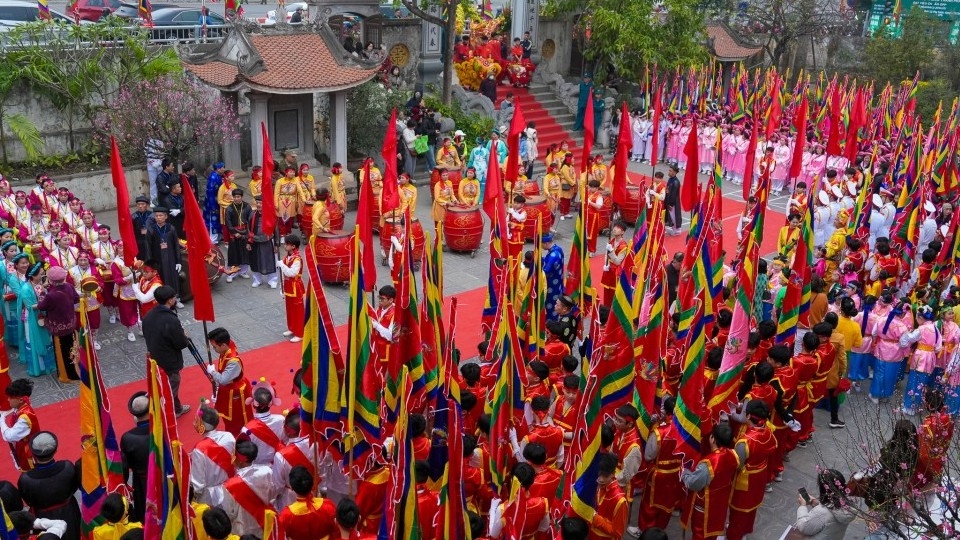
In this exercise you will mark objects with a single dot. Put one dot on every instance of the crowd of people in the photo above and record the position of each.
(880, 314)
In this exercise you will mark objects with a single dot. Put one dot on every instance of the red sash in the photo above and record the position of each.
(246, 498)
(217, 454)
(265, 434)
(295, 456)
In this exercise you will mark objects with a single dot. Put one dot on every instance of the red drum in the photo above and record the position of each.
(454, 177)
(416, 230)
(375, 216)
(535, 208)
(531, 189)
(462, 228)
(333, 256)
(336, 216)
(606, 209)
(306, 219)
(630, 212)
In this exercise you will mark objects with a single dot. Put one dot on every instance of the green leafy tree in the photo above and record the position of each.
(446, 20)
(891, 58)
(632, 36)
(19, 124)
(81, 68)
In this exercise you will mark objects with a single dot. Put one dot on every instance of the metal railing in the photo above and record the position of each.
(186, 34)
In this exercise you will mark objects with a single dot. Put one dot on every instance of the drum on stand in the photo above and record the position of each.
(306, 219)
(537, 208)
(214, 268)
(332, 250)
(630, 211)
(392, 224)
(606, 209)
(463, 229)
(336, 216)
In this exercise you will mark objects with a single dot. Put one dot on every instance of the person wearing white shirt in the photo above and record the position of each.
(236, 497)
(211, 460)
(266, 428)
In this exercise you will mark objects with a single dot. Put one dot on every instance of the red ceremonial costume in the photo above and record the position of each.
(611, 269)
(758, 444)
(293, 290)
(705, 514)
(309, 518)
(232, 394)
(664, 492)
(22, 456)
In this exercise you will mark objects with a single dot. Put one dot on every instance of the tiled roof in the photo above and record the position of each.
(726, 47)
(292, 62)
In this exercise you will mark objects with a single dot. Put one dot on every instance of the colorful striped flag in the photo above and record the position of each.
(507, 396)
(582, 465)
(651, 341)
(43, 10)
(100, 459)
(453, 502)
(431, 317)
(360, 393)
(165, 518)
(798, 286)
(320, 388)
(145, 11)
(400, 518)
(493, 206)
(408, 350)
(577, 282)
(690, 411)
(614, 366)
(532, 309)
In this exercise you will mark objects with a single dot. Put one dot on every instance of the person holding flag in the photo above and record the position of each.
(709, 486)
(233, 395)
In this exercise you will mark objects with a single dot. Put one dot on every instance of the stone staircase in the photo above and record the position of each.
(552, 118)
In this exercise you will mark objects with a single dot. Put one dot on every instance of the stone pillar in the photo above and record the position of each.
(526, 18)
(231, 148)
(258, 114)
(338, 127)
(431, 48)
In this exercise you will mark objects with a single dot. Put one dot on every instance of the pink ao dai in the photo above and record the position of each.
(929, 343)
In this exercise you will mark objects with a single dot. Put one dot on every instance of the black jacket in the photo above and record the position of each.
(672, 197)
(135, 449)
(165, 338)
(49, 492)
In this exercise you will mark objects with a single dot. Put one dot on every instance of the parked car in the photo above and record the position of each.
(290, 9)
(93, 10)
(16, 12)
(184, 17)
(131, 11)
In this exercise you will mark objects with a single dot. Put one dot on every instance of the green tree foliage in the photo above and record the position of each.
(81, 68)
(630, 36)
(892, 59)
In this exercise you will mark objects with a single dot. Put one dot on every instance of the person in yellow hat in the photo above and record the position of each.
(835, 245)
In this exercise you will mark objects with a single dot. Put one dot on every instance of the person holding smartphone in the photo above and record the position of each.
(828, 517)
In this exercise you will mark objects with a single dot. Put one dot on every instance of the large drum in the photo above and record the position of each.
(453, 175)
(214, 268)
(396, 224)
(535, 208)
(306, 219)
(375, 216)
(336, 216)
(531, 188)
(333, 256)
(463, 228)
(630, 211)
(606, 209)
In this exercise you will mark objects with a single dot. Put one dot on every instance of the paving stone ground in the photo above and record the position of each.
(255, 316)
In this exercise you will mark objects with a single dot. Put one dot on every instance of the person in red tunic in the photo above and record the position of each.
(516, 222)
(149, 283)
(523, 516)
(554, 351)
(710, 485)
(547, 477)
(593, 206)
(754, 448)
(418, 437)
(617, 250)
(538, 380)
(20, 424)
(827, 353)
(663, 493)
(542, 431)
(610, 519)
(371, 494)
(309, 517)
(233, 388)
(428, 503)
(565, 408)
(805, 366)
(382, 324)
(628, 447)
(348, 517)
(476, 485)
(785, 427)
(291, 267)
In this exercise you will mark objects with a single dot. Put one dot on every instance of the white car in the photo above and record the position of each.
(271, 17)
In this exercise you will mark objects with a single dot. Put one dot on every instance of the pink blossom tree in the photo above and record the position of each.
(167, 116)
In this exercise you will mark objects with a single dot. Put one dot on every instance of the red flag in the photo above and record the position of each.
(125, 220)
(621, 159)
(833, 142)
(588, 133)
(198, 247)
(390, 196)
(691, 184)
(493, 194)
(657, 114)
(269, 205)
(364, 209)
(751, 155)
(517, 125)
(800, 122)
(775, 112)
(858, 118)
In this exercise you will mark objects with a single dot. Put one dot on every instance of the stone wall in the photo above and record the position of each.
(95, 188)
(51, 122)
(556, 44)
